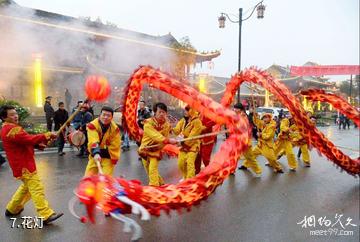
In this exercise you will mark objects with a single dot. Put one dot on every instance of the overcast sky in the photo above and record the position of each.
(291, 33)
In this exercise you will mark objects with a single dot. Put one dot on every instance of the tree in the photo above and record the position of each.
(345, 87)
(185, 55)
(184, 44)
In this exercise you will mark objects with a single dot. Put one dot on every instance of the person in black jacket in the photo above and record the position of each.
(342, 121)
(143, 113)
(49, 113)
(346, 123)
(60, 117)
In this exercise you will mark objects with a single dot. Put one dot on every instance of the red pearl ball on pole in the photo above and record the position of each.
(97, 88)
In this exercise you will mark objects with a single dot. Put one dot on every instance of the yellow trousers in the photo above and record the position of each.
(186, 163)
(286, 146)
(106, 165)
(251, 162)
(32, 188)
(269, 154)
(305, 153)
(151, 165)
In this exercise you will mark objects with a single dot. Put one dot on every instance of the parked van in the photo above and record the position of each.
(273, 110)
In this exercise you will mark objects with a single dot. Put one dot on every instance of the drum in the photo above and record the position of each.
(76, 138)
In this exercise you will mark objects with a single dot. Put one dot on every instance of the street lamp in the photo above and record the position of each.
(260, 14)
(260, 10)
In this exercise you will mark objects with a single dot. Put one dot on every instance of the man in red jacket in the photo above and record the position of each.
(19, 148)
(207, 144)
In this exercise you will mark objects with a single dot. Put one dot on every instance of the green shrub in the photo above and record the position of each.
(35, 129)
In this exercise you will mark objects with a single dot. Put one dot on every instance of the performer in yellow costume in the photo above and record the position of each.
(104, 143)
(189, 126)
(298, 140)
(250, 160)
(156, 132)
(265, 146)
(283, 143)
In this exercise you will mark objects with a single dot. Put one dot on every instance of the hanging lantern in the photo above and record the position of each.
(260, 11)
(221, 20)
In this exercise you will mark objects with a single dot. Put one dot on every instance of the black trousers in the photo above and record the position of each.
(49, 123)
(61, 142)
(342, 123)
(347, 123)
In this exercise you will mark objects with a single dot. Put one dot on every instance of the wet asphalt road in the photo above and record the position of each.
(244, 208)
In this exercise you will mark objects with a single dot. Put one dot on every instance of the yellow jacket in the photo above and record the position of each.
(295, 135)
(108, 144)
(193, 128)
(284, 129)
(258, 122)
(267, 132)
(154, 133)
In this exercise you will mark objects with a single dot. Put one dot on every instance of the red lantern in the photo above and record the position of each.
(97, 88)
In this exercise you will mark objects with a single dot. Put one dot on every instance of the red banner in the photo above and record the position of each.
(324, 70)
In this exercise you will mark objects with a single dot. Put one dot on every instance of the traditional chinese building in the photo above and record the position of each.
(214, 86)
(42, 53)
(298, 83)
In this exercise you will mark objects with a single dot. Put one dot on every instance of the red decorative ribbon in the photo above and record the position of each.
(325, 70)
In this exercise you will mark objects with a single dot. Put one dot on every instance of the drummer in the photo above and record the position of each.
(103, 143)
(79, 123)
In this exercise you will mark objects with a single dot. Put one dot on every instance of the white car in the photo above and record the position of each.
(273, 110)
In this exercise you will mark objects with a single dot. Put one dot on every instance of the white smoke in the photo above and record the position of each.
(67, 49)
